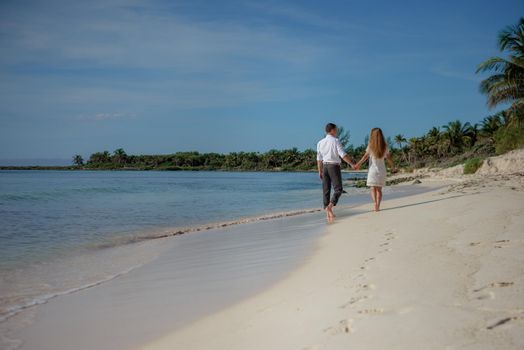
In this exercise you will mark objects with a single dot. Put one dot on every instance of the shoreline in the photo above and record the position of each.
(350, 292)
(297, 216)
(13, 310)
(27, 324)
(122, 241)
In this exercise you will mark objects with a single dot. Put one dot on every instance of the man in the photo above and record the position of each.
(330, 152)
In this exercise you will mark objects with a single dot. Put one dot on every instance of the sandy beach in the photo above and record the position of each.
(440, 270)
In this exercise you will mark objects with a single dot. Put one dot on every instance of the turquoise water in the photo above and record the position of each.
(45, 213)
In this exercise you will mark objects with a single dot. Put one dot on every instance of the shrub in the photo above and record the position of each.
(471, 165)
(509, 138)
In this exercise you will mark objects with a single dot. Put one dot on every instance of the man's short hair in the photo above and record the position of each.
(330, 126)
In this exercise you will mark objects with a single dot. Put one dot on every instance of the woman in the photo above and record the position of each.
(377, 151)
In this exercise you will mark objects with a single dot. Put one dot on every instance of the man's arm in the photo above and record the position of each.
(342, 154)
(349, 161)
(320, 167)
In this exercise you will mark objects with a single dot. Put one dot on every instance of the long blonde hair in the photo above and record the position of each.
(377, 144)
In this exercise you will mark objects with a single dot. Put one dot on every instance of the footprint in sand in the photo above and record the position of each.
(501, 241)
(504, 321)
(344, 326)
(368, 286)
(472, 244)
(371, 311)
(353, 301)
(495, 285)
(384, 244)
(488, 295)
(369, 259)
(358, 276)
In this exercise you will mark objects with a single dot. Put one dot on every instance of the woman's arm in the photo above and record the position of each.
(390, 161)
(362, 160)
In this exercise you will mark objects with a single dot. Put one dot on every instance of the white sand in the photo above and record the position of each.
(441, 270)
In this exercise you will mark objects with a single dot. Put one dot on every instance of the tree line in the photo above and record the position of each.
(273, 160)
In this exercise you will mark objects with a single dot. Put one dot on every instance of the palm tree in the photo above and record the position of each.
(343, 136)
(399, 140)
(78, 160)
(491, 124)
(506, 85)
(119, 156)
(100, 157)
(457, 134)
(414, 149)
(434, 133)
(432, 140)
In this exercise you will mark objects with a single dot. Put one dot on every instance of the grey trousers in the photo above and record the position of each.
(332, 176)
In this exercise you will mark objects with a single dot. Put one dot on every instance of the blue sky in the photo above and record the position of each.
(167, 76)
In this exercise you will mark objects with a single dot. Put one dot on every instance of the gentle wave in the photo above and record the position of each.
(122, 240)
(15, 309)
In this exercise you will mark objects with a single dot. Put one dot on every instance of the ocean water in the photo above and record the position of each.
(46, 214)
(65, 231)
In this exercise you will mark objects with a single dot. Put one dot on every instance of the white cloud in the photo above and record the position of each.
(106, 116)
(153, 54)
(82, 34)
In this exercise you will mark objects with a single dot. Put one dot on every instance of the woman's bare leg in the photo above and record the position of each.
(374, 196)
(378, 195)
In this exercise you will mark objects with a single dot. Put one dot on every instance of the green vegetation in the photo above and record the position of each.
(506, 86)
(507, 139)
(471, 165)
(273, 160)
(78, 160)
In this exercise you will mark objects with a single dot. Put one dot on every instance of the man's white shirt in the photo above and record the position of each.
(330, 150)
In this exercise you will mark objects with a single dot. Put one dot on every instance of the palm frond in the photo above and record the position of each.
(506, 85)
(497, 64)
(512, 38)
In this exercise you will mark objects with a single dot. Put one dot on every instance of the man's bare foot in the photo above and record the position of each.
(330, 210)
(377, 208)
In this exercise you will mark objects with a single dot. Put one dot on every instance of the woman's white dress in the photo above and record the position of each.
(377, 170)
